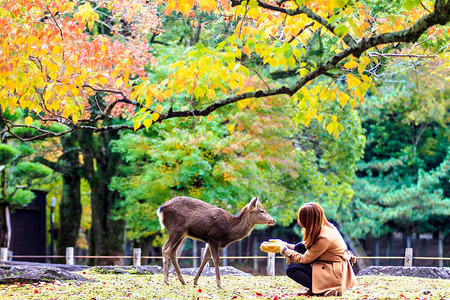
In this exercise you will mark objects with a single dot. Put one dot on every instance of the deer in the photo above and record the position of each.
(186, 217)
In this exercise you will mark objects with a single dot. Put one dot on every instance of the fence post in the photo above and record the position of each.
(202, 255)
(69, 256)
(408, 257)
(225, 254)
(4, 254)
(441, 248)
(255, 253)
(194, 253)
(136, 257)
(270, 264)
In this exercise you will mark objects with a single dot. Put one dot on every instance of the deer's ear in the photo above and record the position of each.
(254, 202)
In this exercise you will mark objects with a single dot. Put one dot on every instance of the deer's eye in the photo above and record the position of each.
(262, 211)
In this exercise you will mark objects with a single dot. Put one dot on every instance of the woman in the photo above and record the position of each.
(322, 261)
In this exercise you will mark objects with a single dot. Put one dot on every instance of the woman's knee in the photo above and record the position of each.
(290, 271)
(300, 273)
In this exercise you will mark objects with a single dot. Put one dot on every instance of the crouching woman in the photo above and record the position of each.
(321, 262)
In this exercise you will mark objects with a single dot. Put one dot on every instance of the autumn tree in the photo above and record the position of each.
(51, 66)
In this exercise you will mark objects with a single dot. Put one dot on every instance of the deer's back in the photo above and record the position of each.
(196, 218)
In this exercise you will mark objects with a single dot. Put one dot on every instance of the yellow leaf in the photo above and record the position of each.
(243, 103)
(52, 70)
(136, 125)
(55, 105)
(350, 65)
(352, 81)
(75, 118)
(28, 120)
(57, 50)
(361, 68)
(343, 99)
(70, 6)
(291, 62)
(273, 62)
(155, 117)
(306, 120)
(283, 61)
(230, 128)
(238, 53)
(253, 13)
(119, 82)
(103, 81)
(336, 134)
(75, 91)
(159, 109)
(210, 117)
(147, 123)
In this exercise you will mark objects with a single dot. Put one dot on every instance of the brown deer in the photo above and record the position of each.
(188, 217)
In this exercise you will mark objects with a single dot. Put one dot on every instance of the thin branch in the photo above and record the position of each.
(376, 54)
(56, 23)
(348, 39)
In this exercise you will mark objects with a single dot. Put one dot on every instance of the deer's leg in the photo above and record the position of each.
(202, 265)
(215, 255)
(168, 250)
(173, 258)
(166, 254)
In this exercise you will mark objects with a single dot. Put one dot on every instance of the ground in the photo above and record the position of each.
(132, 286)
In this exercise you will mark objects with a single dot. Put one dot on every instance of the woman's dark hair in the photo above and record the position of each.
(311, 218)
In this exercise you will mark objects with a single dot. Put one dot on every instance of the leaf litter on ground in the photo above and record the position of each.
(127, 286)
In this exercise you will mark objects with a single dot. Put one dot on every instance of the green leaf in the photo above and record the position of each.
(409, 4)
(341, 29)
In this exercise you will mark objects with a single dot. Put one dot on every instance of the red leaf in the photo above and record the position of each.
(199, 290)
(35, 291)
(275, 298)
(258, 294)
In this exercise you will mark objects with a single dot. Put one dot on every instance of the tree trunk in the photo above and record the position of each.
(389, 247)
(70, 208)
(358, 250)
(377, 251)
(106, 235)
(5, 237)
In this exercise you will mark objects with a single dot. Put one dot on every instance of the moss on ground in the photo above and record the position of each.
(129, 286)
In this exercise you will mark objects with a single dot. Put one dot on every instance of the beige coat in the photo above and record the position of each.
(331, 262)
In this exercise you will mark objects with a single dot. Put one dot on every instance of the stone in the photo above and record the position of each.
(150, 270)
(30, 274)
(424, 272)
(141, 270)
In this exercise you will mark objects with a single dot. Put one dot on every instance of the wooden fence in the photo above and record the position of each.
(136, 257)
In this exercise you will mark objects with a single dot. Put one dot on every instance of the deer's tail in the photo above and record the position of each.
(160, 217)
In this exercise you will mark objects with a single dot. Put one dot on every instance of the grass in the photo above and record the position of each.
(234, 287)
